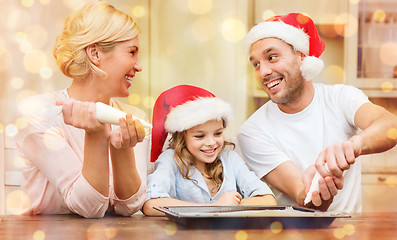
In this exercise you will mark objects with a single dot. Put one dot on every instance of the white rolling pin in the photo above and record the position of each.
(108, 114)
(313, 186)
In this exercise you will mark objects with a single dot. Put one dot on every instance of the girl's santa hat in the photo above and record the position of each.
(183, 107)
(300, 32)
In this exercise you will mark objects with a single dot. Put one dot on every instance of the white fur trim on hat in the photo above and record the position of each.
(289, 34)
(311, 67)
(199, 111)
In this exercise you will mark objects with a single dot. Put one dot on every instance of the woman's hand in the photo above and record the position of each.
(229, 199)
(128, 134)
(81, 115)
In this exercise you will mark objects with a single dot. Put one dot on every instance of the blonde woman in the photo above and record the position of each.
(76, 164)
(195, 169)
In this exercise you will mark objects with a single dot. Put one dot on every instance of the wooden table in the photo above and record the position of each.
(362, 226)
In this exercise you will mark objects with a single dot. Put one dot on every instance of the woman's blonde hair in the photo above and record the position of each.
(96, 22)
(184, 159)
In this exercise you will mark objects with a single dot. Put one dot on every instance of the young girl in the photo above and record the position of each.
(195, 169)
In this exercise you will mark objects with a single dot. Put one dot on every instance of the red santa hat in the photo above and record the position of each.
(300, 32)
(183, 107)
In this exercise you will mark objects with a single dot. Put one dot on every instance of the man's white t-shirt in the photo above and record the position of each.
(270, 137)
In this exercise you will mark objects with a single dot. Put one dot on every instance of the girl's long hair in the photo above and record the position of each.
(184, 159)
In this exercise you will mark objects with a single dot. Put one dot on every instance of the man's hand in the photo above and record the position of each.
(328, 188)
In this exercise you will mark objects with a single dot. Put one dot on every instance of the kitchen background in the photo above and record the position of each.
(201, 42)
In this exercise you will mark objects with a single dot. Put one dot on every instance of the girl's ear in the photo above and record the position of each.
(92, 52)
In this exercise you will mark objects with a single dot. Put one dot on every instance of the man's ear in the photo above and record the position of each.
(93, 53)
(300, 57)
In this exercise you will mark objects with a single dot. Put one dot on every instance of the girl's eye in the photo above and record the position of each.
(199, 136)
(218, 134)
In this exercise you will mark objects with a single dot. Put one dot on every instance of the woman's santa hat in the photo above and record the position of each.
(183, 107)
(300, 32)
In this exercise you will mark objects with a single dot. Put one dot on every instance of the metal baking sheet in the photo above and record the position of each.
(249, 217)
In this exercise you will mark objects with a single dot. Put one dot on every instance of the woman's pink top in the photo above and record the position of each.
(54, 154)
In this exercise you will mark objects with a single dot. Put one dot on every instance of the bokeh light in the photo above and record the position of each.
(392, 133)
(388, 53)
(34, 61)
(233, 30)
(45, 2)
(138, 11)
(96, 231)
(1, 128)
(349, 229)
(21, 37)
(148, 102)
(37, 35)
(46, 72)
(38, 235)
(110, 232)
(21, 123)
(391, 181)
(73, 4)
(354, 1)
(17, 202)
(11, 130)
(336, 73)
(134, 99)
(171, 228)
(27, 3)
(339, 233)
(386, 86)
(351, 27)
(17, 19)
(276, 227)
(200, 7)
(379, 16)
(17, 82)
(203, 29)
(25, 47)
(267, 14)
(241, 235)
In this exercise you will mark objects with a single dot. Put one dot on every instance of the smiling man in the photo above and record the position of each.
(308, 126)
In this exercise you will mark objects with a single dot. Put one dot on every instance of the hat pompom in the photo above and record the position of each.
(311, 67)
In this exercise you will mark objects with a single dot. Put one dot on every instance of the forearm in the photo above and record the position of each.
(287, 178)
(265, 200)
(126, 178)
(96, 162)
(148, 209)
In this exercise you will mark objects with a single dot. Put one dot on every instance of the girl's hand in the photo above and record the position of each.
(128, 134)
(229, 199)
(81, 115)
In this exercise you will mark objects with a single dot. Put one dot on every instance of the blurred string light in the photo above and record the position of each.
(17, 83)
(233, 30)
(392, 133)
(203, 29)
(1, 128)
(335, 72)
(379, 16)
(148, 102)
(276, 227)
(138, 11)
(267, 14)
(346, 230)
(96, 231)
(354, 1)
(27, 3)
(17, 202)
(11, 130)
(38, 235)
(241, 235)
(21, 123)
(388, 53)
(46, 72)
(35, 60)
(17, 18)
(37, 35)
(387, 86)
(391, 181)
(110, 232)
(200, 7)
(171, 228)
(45, 2)
(350, 22)
(134, 99)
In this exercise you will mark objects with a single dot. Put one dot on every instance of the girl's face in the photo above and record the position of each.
(121, 64)
(205, 142)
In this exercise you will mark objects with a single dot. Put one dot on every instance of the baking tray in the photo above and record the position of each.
(249, 217)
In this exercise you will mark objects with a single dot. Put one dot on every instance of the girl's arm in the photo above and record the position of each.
(265, 200)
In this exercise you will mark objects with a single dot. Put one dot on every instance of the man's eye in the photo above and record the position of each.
(272, 57)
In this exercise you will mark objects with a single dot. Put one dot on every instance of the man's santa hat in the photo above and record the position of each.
(300, 32)
(183, 107)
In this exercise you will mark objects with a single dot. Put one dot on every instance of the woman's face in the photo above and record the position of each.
(205, 142)
(120, 64)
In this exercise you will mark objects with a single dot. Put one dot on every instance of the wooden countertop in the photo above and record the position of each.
(359, 226)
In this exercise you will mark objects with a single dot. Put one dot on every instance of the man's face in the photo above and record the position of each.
(277, 69)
